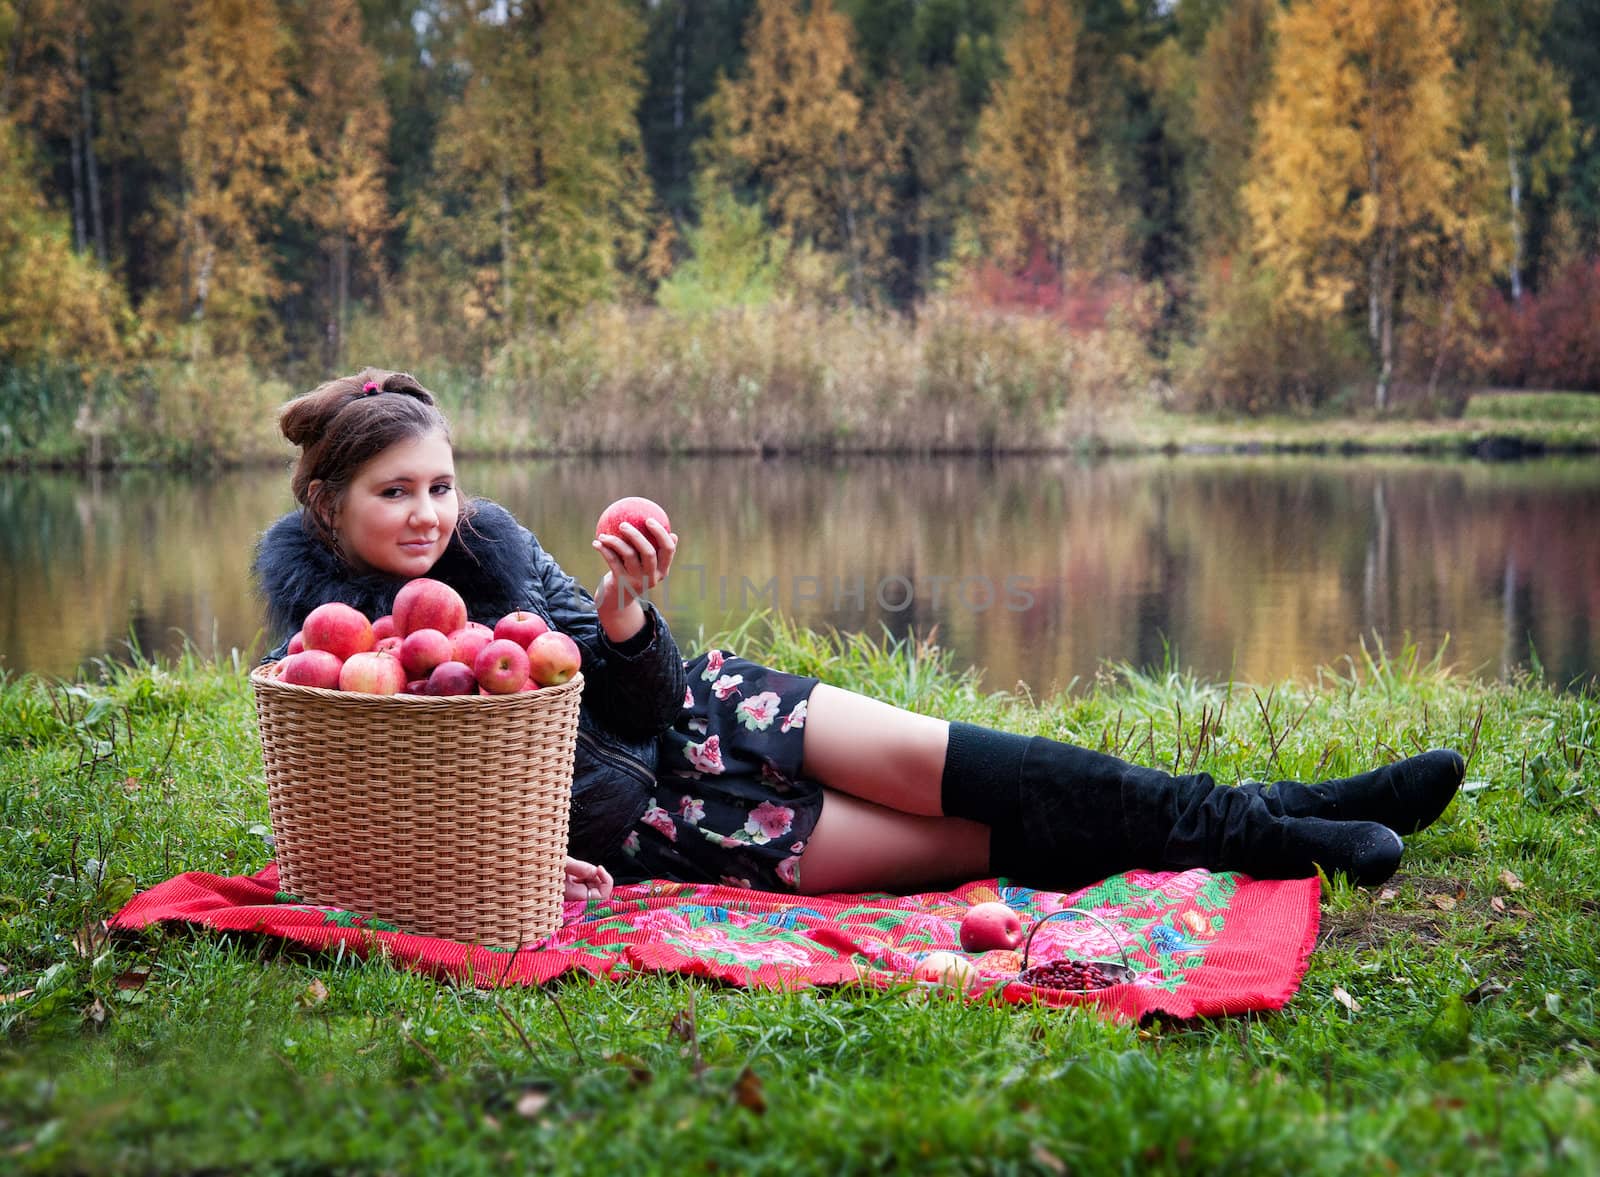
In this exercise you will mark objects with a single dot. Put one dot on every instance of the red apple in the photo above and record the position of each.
(311, 668)
(390, 643)
(501, 667)
(990, 925)
(553, 658)
(338, 629)
(468, 640)
(428, 604)
(451, 678)
(296, 643)
(521, 627)
(374, 672)
(634, 510)
(423, 649)
(417, 686)
(945, 968)
(383, 627)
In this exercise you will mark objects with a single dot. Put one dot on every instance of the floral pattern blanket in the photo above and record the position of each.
(1182, 944)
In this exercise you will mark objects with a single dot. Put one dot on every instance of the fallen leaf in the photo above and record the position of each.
(1512, 883)
(1387, 894)
(134, 978)
(1482, 991)
(1048, 1159)
(90, 938)
(1443, 902)
(530, 1103)
(747, 1092)
(1498, 904)
(639, 1072)
(96, 1012)
(1342, 996)
(131, 785)
(17, 996)
(316, 993)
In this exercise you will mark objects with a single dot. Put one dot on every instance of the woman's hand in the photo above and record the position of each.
(586, 882)
(635, 564)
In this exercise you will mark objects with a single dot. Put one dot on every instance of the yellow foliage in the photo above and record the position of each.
(240, 158)
(1038, 183)
(54, 304)
(794, 122)
(1362, 182)
(543, 158)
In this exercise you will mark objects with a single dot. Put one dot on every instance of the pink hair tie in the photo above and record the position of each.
(370, 387)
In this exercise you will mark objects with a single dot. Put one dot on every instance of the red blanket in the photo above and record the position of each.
(1189, 944)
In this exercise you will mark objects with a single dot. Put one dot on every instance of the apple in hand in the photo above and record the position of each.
(521, 627)
(425, 603)
(634, 510)
(423, 649)
(374, 672)
(553, 658)
(451, 678)
(501, 667)
(311, 668)
(990, 925)
(339, 629)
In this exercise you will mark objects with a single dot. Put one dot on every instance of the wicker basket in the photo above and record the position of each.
(444, 816)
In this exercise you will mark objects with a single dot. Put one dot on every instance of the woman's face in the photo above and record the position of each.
(401, 508)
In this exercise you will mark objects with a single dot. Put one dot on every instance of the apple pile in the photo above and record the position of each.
(427, 646)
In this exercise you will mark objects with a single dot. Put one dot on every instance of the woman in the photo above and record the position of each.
(722, 770)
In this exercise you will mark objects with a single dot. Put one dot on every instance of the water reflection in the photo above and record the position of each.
(1038, 570)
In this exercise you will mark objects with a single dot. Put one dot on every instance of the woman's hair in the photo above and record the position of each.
(344, 423)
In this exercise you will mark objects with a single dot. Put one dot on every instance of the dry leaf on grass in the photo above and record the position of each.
(747, 1092)
(1342, 996)
(1512, 883)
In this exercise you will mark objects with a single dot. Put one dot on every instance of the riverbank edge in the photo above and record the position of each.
(1177, 437)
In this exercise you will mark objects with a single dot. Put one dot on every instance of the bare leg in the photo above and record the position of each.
(860, 846)
(875, 751)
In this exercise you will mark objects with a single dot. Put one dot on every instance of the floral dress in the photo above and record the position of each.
(729, 805)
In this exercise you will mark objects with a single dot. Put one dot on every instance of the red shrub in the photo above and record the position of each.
(1550, 339)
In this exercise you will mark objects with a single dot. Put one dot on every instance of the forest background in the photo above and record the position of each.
(706, 224)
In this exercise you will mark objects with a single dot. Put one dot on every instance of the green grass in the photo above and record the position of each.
(1447, 1022)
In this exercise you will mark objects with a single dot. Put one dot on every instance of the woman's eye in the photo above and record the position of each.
(443, 488)
(392, 492)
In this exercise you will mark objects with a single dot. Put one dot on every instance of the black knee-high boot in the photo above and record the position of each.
(1406, 796)
(1061, 816)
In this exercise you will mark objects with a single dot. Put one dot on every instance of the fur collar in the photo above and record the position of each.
(489, 562)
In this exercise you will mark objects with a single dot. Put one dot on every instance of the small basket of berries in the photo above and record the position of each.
(425, 779)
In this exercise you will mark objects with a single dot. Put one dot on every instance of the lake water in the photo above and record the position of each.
(1037, 570)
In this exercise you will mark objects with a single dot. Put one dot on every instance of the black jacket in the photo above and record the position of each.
(632, 692)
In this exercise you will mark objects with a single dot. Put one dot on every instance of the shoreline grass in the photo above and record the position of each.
(1447, 1022)
(781, 380)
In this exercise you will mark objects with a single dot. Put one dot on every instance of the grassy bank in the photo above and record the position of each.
(1447, 1023)
(781, 379)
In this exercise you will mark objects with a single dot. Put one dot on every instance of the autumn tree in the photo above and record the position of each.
(346, 124)
(1231, 72)
(542, 196)
(793, 126)
(1039, 183)
(55, 302)
(222, 104)
(1361, 186)
(1517, 106)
